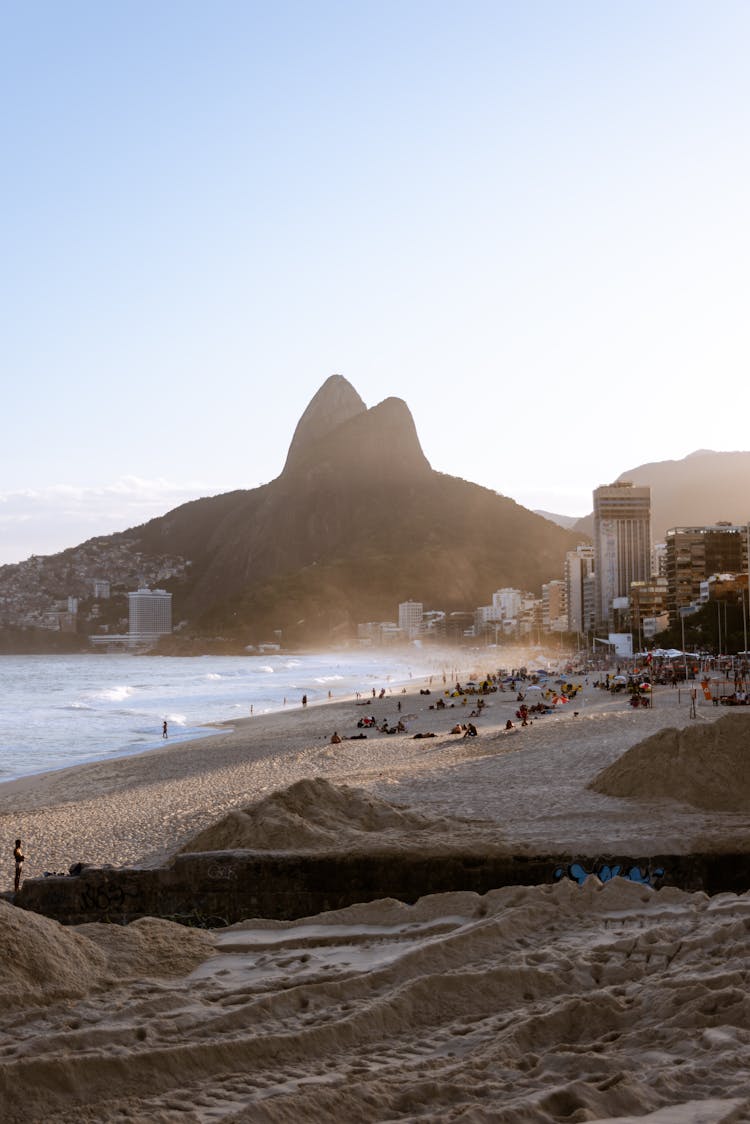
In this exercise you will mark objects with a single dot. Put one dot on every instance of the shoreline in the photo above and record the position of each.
(127, 713)
(526, 787)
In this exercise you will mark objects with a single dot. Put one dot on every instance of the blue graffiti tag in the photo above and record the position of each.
(605, 873)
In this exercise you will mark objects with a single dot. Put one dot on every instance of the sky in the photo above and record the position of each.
(527, 219)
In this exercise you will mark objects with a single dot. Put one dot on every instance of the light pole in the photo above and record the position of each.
(684, 653)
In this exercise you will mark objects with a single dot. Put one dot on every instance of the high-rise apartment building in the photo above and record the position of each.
(410, 618)
(149, 614)
(554, 613)
(579, 565)
(694, 554)
(622, 543)
(507, 603)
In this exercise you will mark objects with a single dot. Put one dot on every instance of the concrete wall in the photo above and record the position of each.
(229, 886)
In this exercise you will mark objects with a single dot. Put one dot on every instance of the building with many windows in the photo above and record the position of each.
(622, 544)
(149, 614)
(694, 554)
(410, 618)
(554, 612)
(579, 565)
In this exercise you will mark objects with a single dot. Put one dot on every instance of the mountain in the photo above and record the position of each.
(702, 488)
(356, 522)
(566, 521)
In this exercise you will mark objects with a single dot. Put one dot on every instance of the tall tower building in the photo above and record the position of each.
(579, 565)
(149, 614)
(622, 543)
(410, 618)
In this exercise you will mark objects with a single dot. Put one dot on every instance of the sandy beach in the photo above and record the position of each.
(526, 786)
(543, 1004)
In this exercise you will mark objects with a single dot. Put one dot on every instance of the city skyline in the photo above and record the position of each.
(527, 222)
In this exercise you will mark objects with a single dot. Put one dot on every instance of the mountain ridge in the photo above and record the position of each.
(702, 488)
(356, 522)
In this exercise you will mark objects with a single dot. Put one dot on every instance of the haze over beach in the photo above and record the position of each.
(528, 222)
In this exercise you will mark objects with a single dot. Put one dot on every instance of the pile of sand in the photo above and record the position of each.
(539, 1004)
(42, 961)
(705, 766)
(149, 947)
(315, 815)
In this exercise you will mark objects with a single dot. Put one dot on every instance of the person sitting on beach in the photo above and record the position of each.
(457, 729)
(440, 705)
(471, 731)
(400, 727)
(335, 738)
(509, 725)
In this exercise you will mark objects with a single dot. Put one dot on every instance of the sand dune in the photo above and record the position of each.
(535, 1004)
(706, 767)
(315, 815)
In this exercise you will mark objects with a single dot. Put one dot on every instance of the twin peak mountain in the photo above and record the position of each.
(356, 522)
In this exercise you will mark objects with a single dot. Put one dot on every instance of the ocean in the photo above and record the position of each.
(57, 711)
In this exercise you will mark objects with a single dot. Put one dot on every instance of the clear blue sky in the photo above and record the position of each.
(528, 219)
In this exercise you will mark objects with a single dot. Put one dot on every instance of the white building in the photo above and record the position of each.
(507, 602)
(149, 614)
(410, 618)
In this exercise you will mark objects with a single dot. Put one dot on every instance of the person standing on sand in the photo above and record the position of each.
(304, 700)
(164, 733)
(19, 856)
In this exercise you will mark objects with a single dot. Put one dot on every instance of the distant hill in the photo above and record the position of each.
(566, 521)
(705, 487)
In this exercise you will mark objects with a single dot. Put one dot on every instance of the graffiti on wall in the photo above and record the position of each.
(605, 872)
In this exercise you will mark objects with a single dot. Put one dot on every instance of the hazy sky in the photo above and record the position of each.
(527, 219)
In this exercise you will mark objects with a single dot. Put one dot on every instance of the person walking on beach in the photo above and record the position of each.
(304, 700)
(164, 733)
(19, 856)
